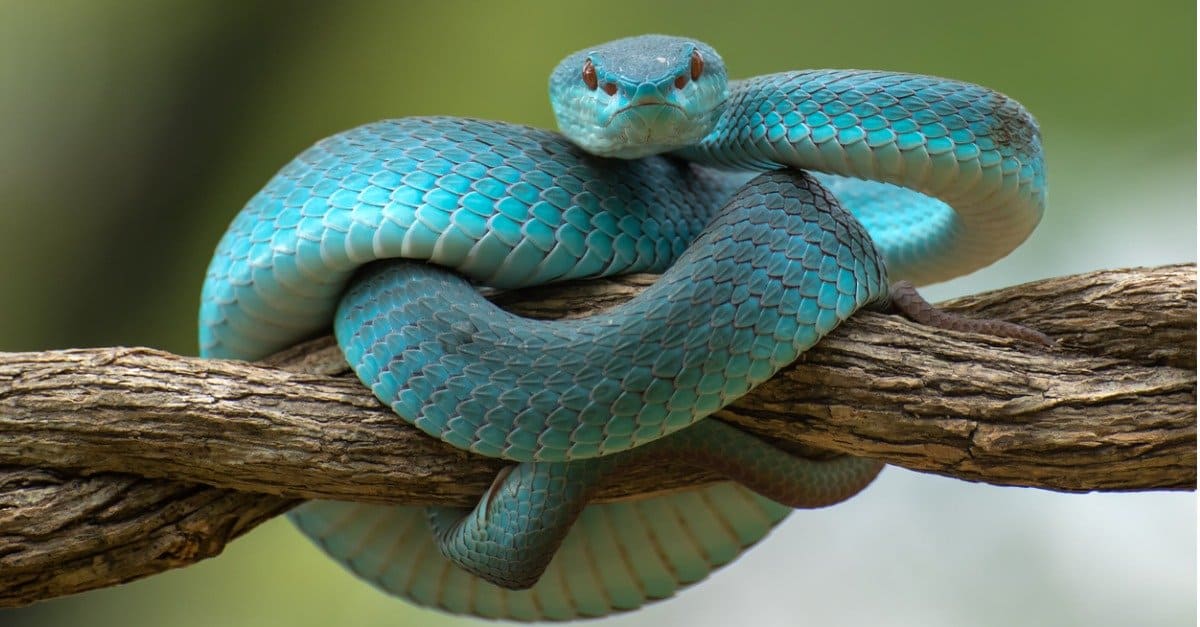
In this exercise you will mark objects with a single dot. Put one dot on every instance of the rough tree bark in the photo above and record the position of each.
(118, 463)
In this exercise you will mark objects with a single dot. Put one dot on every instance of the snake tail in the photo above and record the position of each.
(905, 300)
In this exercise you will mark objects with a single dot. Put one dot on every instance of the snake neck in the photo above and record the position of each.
(947, 176)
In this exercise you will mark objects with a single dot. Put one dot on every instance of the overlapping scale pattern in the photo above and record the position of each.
(973, 156)
(503, 204)
(777, 269)
(779, 266)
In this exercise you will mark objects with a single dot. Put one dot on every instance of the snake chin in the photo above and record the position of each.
(640, 130)
(654, 108)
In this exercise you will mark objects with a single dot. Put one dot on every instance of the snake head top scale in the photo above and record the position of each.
(639, 96)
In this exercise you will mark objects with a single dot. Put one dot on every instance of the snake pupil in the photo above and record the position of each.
(697, 65)
(589, 75)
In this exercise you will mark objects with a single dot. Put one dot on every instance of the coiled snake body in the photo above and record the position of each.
(938, 178)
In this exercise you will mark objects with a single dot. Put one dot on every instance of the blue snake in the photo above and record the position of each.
(388, 230)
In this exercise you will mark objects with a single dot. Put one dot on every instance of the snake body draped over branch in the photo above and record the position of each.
(386, 230)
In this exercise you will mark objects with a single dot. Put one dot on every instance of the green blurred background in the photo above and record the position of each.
(132, 131)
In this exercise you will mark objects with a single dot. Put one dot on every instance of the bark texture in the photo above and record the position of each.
(117, 463)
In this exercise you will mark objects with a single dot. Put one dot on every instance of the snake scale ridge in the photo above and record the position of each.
(386, 231)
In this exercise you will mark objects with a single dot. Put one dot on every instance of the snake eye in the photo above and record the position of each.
(610, 89)
(589, 74)
(697, 65)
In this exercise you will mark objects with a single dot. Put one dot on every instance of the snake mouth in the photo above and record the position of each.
(645, 128)
(656, 108)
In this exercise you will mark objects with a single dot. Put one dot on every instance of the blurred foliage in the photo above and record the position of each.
(131, 131)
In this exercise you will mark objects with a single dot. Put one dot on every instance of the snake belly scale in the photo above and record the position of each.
(385, 231)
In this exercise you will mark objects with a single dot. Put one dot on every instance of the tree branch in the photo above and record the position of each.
(105, 451)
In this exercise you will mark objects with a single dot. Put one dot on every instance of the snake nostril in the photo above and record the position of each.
(681, 81)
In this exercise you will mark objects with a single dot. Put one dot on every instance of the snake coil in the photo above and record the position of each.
(386, 230)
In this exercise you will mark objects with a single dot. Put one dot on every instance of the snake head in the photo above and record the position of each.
(639, 96)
